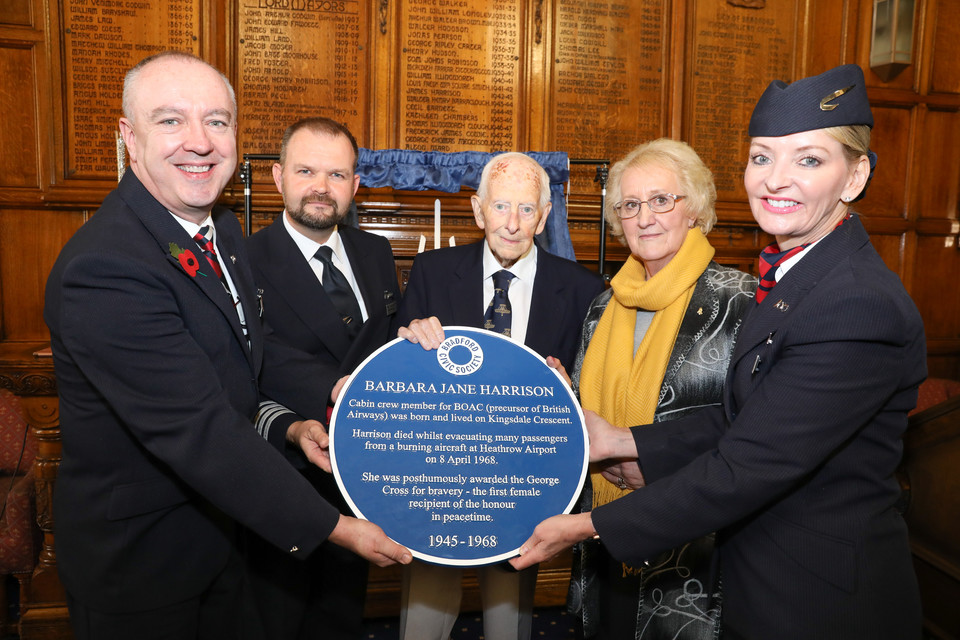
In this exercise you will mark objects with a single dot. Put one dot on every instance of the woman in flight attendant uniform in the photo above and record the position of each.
(795, 471)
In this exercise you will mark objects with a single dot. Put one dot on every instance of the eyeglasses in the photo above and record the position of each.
(662, 203)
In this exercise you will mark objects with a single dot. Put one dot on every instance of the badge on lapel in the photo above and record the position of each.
(781, 305)
(389, 303)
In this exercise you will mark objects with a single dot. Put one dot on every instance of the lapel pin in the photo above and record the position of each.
(700, 311)
(756, 365)
(770, 339)
(781, 305)
(233, 259)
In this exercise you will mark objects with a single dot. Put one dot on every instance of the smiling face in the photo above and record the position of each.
(317, 181)
(181, 135)
(797, 184)
(654, 238)
(510, 214)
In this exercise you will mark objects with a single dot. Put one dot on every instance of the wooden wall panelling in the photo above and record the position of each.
(539, 30)
(937, 183)
(20, 137)
(939, 301)
(892, 140)
(830, 34)
(384, 72)
(944, 25)
(30, 240)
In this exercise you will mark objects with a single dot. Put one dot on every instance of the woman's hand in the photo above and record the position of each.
(607, 441)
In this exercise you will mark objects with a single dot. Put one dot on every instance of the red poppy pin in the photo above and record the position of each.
(187, 260)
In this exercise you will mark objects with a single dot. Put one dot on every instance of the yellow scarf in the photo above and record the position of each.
(625, 388)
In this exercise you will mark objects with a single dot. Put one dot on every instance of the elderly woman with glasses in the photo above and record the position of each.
(655, 347)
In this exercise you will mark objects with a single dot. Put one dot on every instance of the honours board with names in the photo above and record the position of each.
(102, 39)
(298, 59)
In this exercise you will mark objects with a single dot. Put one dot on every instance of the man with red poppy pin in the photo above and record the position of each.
(160, 371)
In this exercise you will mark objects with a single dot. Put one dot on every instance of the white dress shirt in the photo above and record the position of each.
(308, 248)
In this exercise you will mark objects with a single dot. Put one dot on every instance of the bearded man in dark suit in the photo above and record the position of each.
(316, 176)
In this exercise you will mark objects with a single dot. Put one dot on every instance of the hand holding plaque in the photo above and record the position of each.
(460, 452)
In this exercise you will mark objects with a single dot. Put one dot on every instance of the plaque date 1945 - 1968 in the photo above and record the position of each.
(487, 542)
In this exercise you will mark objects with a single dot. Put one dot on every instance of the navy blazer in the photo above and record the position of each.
(157, 390)
(796, 469)
(299, 312)
(448, 283)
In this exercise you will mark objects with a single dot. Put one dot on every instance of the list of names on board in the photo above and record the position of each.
(737, 52)
(299, 58)
(607, 81)
(460, 75)
(102, 39)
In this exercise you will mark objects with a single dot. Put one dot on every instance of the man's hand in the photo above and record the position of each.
(427, 332)
(312, 438)
(552, 536)
(553, 363)
(337, 388)
(368, 541)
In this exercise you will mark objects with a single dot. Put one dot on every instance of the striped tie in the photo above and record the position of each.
(770, 259)
(205, 242)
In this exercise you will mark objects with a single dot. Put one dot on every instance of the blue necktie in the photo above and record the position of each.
(497, 317)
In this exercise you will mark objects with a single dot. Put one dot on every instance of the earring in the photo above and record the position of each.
(690, 224)
(846, 198)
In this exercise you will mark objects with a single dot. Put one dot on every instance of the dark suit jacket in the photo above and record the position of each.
(157, 390)
(300, 313)
(796, 469)
(448, 283)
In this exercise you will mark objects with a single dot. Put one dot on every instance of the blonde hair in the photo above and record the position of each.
(694, 180)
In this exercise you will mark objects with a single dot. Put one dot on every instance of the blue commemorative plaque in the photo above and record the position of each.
(458, 453)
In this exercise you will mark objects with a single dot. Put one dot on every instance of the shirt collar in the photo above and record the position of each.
(522, 269)
(308, 247)
(191, 227)
(790, 262)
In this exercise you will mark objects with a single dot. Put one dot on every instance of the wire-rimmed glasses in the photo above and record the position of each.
(660, 203)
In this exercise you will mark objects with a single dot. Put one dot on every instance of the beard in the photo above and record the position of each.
(317, 221)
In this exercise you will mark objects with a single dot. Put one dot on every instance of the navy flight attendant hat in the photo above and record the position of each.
(835, 98)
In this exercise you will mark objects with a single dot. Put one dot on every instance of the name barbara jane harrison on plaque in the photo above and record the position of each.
(460, 452)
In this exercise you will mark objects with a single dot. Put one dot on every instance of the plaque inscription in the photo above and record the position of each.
(458, 453)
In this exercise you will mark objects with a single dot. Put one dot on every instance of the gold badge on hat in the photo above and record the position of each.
(836, 94)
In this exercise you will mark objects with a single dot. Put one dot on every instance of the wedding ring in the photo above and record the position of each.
(620, 483)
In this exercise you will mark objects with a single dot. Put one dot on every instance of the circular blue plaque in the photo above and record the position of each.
(460, 452)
